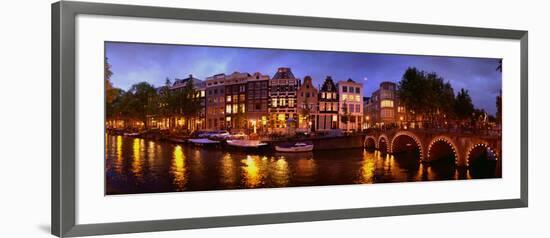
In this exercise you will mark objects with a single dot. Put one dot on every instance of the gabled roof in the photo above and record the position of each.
(328, 85)
(284, 73)
(178, 83)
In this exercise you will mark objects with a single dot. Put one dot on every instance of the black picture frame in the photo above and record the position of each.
(64, 107)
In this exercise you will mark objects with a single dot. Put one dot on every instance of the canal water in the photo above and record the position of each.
(134, 165)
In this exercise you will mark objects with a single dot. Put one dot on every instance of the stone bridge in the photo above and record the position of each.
(435, 144)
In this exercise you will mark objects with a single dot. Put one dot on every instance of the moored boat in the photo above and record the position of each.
(203, 141)
(295, 148)
(246, 143)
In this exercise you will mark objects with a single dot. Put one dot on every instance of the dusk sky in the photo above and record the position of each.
(132, 63)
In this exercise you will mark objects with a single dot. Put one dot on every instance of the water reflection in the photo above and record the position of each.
(137, 165)
(177, 168)
(228, 172)
(251, 170)
(137, 162)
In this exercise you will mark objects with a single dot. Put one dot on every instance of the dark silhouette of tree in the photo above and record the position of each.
(463, 105)
(110, 93)
(142, 101)
(499, 107)
(426, 94)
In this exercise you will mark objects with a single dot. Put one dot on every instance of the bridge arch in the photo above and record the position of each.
(370, 142)
(403, 139)
(480, 150)
(441, 146)
(383, 144)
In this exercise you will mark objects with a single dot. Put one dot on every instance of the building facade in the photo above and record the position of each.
(215, 102)
(350, 105)
(308, 106)
(257, 101)
(236, 101)
(327, 116)
(282, 100)
(384, 109)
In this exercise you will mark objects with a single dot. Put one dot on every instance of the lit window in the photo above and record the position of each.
(357, 98)
(235, 108)
(329, 96)
(228, 109)
(386, 103)
(241, 108)
(344, 97)
(274, 102)
(281, 117)
(323, 95)
(228, 99)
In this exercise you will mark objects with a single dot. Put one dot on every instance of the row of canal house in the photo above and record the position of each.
(281, 104)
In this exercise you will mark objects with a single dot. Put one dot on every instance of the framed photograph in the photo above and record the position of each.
(213, 119)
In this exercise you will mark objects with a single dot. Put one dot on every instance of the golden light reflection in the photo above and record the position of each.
(251, 170)
(177, 169)
(306, 168)
(229, 174)
(366, 173)
(137, 167)
(118, 165)
(280, 173)
(151, 150)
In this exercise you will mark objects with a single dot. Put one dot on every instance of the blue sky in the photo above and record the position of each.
(135, 62)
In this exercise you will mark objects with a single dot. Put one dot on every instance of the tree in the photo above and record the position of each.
(143, 101)
(426, 94)
(463, 105)
(499, 108)
(110, 93)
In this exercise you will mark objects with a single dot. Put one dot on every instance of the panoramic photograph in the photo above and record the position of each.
(182, 118)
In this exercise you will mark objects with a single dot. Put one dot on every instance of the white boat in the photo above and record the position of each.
(131, 134)
(203, 141)
(298, 147)
(246, 143)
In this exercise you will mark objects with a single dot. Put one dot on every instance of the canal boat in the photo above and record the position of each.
(203, 141)
(250, 144)
(132, 134)
(296, 148)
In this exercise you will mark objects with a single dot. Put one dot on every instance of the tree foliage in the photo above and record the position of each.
(463, 105)
(426, 94)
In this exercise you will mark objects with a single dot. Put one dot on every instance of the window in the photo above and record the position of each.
(291, 102)
(386, 103)
(274, 102)
(351, 108)
(228, 98)
(241, 108)
(401, 109)
(357, 90)
(321, 106)
(344, 89)
(258, 107)
(228, 109)
(235, 108)
(307, 94)
(357, 98)
(344, 97)
(323, 95)
(242, 98)
(357, 108)
(329, 95)
(235, 98)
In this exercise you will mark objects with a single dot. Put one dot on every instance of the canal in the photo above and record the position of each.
(134, 165)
